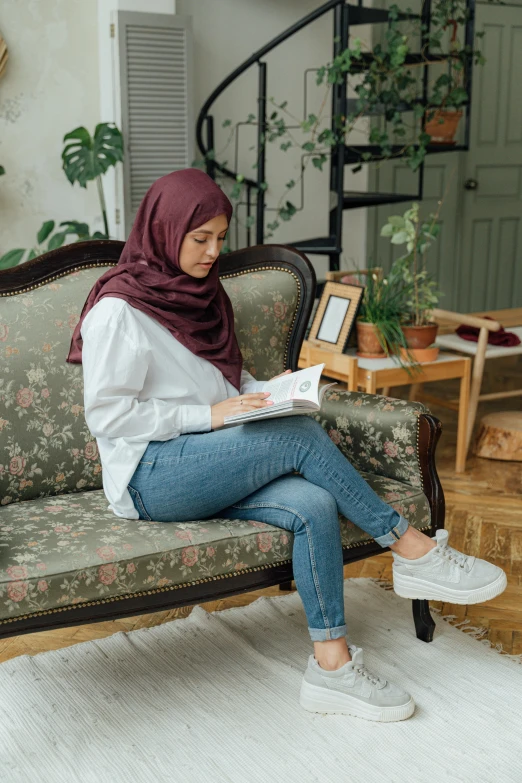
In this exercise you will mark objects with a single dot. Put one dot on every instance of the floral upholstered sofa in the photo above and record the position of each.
(65, 559)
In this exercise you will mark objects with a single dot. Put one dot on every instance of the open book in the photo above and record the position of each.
(298, 392)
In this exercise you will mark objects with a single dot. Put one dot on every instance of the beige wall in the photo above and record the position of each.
(50, 87)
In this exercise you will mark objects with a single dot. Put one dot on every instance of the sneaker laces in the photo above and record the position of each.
(459, 558)
(361, 669)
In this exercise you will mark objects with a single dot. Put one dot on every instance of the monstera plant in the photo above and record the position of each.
(85, 158)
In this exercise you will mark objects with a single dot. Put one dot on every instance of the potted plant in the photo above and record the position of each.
(442, 125)
(378, 324)
(449, 91)
(420, 293)
(379, 332)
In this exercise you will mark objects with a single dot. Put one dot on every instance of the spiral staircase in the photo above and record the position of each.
(345, 17)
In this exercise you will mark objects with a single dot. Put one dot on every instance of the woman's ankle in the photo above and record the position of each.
(413, 544)
(332, 654)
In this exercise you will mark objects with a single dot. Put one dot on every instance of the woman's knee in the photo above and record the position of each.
(305, 428)
(312, 503)
(308, 423)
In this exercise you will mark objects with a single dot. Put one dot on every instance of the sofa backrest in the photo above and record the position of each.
(46, 447)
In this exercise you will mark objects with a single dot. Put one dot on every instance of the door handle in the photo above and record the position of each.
(471, 184)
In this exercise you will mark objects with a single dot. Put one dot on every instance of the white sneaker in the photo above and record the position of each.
(444, 574)
(352, 690)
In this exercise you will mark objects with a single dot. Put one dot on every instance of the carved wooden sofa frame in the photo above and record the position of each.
(42, 278)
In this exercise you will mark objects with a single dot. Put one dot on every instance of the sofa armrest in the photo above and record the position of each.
(379, 435)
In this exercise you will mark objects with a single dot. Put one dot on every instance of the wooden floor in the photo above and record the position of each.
(484, 518)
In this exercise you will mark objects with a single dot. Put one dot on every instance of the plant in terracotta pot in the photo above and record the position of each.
(379, 332)
(420, 292)
(443, 115)
(450, 90)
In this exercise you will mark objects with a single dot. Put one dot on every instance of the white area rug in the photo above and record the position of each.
(214, 698)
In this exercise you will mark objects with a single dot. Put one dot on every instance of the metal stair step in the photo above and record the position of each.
(414, 58)
(353, 199)
(317, 245)
(353, 152)
(360, 15)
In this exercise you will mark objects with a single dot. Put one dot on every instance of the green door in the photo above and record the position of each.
(477, 259)
(490, 235)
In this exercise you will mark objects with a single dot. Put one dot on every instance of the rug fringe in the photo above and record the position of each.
(475, 631)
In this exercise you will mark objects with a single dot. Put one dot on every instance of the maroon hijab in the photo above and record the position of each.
(196, 311)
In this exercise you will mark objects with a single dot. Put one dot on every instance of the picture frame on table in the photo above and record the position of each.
(335, 316)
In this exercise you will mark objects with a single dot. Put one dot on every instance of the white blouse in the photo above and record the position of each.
(141, 384)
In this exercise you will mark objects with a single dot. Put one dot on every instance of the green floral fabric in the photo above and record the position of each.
(377, 434)
(45, 445)
(265, 305)
(68, 549)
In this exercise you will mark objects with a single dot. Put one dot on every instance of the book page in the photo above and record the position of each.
(282, 390)
(323, 389)
(300, 385)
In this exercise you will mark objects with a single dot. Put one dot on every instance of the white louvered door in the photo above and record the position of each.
(155, 65)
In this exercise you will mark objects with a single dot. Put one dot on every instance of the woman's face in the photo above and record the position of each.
(201, 247)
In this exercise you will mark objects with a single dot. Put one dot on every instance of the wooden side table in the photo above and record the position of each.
(373, 374)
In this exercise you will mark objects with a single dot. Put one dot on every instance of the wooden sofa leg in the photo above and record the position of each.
(286, 586)
(424, 623)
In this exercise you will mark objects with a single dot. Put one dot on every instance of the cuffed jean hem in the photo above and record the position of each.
(394, 534)
(325, 634)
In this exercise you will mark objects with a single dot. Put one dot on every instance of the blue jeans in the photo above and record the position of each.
(248, 472)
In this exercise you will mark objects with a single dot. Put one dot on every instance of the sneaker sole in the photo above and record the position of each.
(316, 699)
(410, 587)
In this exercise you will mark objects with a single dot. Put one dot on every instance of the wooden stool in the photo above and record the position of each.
(500, 436)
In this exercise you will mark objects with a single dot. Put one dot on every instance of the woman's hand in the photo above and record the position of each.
(234, 405)
(240, 404)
